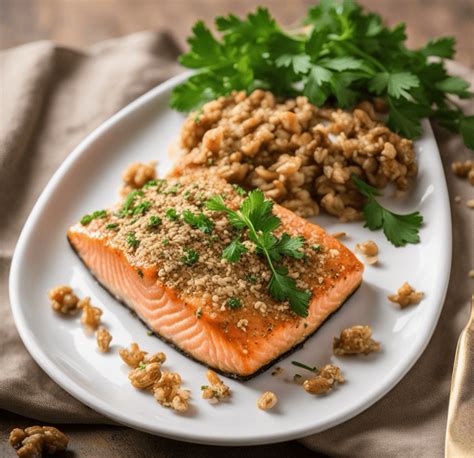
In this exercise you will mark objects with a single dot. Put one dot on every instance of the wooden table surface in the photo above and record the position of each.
(82, 22)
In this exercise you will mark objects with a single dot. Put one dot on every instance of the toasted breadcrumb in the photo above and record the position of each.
(405, 296)
(33, 441)
(355, 340)
(104, 338)
(63, 300)
(267, 400)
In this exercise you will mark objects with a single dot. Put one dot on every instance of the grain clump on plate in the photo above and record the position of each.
(464, 169)
(167, 391)
(324, 381)
(369, 250)
(217, 390)
(355, 340)
(31, 442)
(63, 300)
(90, 317)
(103, 338)
(300, 155)
(405, 296)
(267, 401)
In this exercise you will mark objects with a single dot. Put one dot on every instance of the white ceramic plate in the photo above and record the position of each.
(89, 179)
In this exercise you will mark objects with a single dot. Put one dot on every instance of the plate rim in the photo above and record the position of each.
(94, 402)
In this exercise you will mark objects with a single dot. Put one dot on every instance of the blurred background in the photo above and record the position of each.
(79, 23)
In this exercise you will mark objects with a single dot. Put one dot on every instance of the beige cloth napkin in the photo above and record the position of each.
(51, 98)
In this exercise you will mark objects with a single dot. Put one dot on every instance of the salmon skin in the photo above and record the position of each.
(160, 252)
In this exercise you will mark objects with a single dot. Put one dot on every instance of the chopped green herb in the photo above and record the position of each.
(187, 195)
(150, 184)
(112, 226)
(173, 190)
(297, 377)
(234, 303)
(399, 229)
(149, 333)
(128, 203)
(342, 56)
(154, 221)
(251, 278)
(204, 387)
(142, 365)
(199, 221)
(171, 214)
(256, 214)
(210, 162)
(132, 240)
(239, 190)
(190, 257)
(140, 273)
(165, 241)
(86, 219)
(141, 208)
(316, 247)
(304, 366)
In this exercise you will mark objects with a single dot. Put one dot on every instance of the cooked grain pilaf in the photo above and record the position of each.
(299, 155)
(191, 261)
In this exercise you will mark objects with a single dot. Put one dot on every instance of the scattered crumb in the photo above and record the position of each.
(63, 300)
(355, 340)
(277, 371)
(457, 199)
(167, 391)
(369, 250)
(90, 315)
(104, 338)
(339, 235)
(470, 203)
(33, 441)
(324, 380)
(217, 390)
(464, 169)
(267, 400)
(406, 295)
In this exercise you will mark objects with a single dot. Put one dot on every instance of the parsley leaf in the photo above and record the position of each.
(256, 215)
(399, 229)
(343, 55)
(234, 250)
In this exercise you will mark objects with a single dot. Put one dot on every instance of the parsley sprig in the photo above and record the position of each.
(343, 55)
(256, 216)
(399, 229)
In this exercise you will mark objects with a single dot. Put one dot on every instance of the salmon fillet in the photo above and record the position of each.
(172, 275)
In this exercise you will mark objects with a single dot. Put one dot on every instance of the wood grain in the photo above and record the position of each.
(79, 23)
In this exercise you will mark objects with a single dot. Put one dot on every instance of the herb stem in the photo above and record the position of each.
(304, 366)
